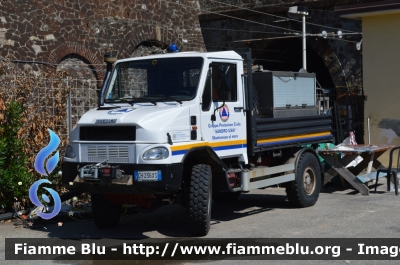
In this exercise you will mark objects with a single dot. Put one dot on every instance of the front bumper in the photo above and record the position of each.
(170, 182)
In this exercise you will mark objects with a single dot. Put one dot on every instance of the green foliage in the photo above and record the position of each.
(15, 179)
(35, 102)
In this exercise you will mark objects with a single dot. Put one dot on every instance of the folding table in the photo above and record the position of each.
(369, 154)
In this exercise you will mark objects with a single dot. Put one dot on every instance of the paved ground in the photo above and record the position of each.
(259, 214)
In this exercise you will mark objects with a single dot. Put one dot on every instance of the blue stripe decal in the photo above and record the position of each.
(295, 140)
(228, 147)
(180, 152)
(218, 148)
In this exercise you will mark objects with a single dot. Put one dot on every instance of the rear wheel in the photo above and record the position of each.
(224, 197)
(304, 190)
(199, 204)
(105, 213)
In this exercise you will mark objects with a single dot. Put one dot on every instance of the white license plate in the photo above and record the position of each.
(148, 175)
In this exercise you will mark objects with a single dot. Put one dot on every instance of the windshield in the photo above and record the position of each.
(165, 79)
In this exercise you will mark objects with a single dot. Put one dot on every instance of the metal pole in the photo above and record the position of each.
(304, 43)
(369, 133)
(69, 110)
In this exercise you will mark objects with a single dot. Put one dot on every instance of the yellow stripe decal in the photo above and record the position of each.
(296, 137)
(217, 146)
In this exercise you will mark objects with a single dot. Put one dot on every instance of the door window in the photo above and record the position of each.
(224, 84)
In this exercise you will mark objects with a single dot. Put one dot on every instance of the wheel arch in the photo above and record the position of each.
(296, 157)
(205, 155)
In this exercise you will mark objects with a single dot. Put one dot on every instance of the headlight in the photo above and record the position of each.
(70, 152)
(156, 154)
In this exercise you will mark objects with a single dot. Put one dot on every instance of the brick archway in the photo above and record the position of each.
(135, 36)
(331, 61)
(65, 49)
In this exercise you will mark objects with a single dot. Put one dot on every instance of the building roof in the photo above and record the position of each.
(369, 9)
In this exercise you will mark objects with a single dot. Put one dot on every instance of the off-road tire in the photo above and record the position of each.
(304, 190)
(199, 205)
(105, 214)
(225, 197)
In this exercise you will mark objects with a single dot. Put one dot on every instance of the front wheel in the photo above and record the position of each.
(199, 204)
(304, 190)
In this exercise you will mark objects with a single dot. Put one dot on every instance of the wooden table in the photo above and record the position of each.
(369, 154)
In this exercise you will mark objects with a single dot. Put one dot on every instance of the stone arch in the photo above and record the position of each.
(285, 55)
(344, 73)
(146, 33)
(77, 66)
(331, 60)
(83, 84)
(149, 47)
(66, 49)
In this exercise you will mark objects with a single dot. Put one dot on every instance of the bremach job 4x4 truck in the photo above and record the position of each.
(194, 127)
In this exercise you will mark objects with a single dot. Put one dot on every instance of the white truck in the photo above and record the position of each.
(190, 128)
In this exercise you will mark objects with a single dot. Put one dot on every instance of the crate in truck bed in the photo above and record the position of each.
(285, 94)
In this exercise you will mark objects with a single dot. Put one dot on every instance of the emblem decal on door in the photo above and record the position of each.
(224, 113)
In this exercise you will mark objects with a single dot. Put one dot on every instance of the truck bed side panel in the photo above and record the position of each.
(273, 133)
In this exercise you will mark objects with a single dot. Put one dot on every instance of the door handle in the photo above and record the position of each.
(237, 109)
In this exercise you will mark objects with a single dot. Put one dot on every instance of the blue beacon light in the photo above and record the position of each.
(173, 48)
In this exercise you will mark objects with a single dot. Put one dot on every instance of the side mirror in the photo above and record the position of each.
(207, 93)
(221, 84)
(109, 59)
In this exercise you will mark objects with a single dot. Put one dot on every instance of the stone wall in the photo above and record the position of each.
(73, 36)
(82, 80)
(52, 30)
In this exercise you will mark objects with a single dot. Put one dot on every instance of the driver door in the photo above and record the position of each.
(223, 120)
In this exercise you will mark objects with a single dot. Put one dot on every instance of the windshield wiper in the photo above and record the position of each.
(131, 100)
(164, 96)
(112, 106)
(143, 99)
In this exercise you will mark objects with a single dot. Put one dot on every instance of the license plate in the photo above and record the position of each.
(148, 175)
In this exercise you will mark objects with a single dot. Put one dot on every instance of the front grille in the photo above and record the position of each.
(97, 151)
(107, 133)
(118, 151)
(114, 153)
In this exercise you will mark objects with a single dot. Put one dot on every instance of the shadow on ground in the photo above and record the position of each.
(172, 220)
(169, 221)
